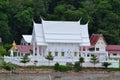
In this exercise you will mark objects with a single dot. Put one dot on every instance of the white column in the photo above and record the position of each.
(42, 51)
(95, 48)
(33, 49)
(17, 53)
(11, 53)
(38, 51)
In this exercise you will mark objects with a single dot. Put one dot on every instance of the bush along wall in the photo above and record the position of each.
(77, 66)
(62, 68)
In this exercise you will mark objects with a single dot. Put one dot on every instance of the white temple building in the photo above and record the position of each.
(61, 39)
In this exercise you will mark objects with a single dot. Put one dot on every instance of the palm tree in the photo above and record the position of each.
(106, 64)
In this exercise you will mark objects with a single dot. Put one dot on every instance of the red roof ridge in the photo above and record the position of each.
(94, 38)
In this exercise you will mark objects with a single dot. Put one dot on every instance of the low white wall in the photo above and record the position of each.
(62, 61)
(114, 64)
(41, 61)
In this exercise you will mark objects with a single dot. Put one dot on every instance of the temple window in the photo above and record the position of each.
(49, 53)
(92, 49)
(114, 54)
(62, 54)
(88, 55)
(35, 54)
(56, 53)
(79, 54)
(83, 49)
(97, 49)
(75, 54)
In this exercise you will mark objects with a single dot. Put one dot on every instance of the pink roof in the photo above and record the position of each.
(24, 48)
(113, 48)
(85, 47)
(94, 38)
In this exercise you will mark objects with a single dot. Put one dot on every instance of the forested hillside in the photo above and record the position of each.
(16, 16)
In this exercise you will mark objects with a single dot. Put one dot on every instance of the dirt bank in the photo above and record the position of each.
(43, 74)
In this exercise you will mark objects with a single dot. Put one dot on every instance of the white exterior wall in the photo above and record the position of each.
(102, 55)
(101, 44)
(114, 64)
(67, 48)
(114, 55)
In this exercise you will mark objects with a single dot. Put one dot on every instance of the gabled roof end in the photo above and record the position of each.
(80, 20)
(88, 22)
(41, 19)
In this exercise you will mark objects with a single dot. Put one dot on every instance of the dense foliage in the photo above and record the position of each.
(106, 64)
(16, 16)
(77, 66)
(8, 66)
(62, 68)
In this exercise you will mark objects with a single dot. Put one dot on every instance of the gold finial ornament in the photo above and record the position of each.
(14, 46)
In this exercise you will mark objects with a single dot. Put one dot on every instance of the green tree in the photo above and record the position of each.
(1, 59)
(81, 60)
(106, 64)
(25, 59)
(2, 51)
(8, 66)
(56, 66)
(23, 17)
(4, 28)
(94, 60)
(49, 57)
(77, 66)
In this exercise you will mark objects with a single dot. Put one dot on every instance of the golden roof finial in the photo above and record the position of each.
(14, 46)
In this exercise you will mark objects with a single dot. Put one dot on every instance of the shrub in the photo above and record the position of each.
(8, 66)
(62, 68)
(56, 67)
(77, 66)
(106, 64)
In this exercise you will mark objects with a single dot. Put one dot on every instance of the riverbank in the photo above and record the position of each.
(50, 70)
(47, 70)
(26, 71)
(70, 75)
